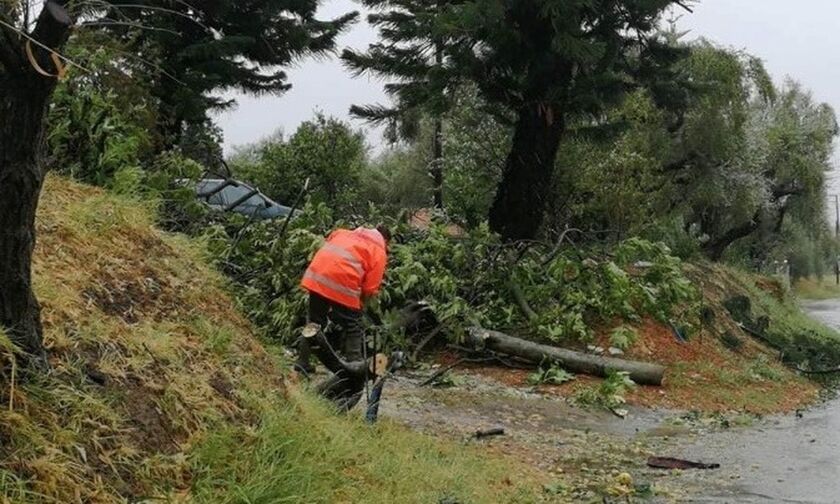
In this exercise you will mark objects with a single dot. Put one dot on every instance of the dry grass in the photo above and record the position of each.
(159, 390)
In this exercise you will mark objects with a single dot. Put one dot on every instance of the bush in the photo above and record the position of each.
(100, 122)
(466, 281)
(325, 150)
(609, 393)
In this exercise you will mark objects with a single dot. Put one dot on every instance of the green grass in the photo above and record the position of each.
(181, 403)
(817, 289)
(305, 452)
(803, 339)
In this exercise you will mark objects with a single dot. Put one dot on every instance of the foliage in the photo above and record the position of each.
(197, 50)
(100, 122)
(397, 179)
(156, 68)
(609, 393)
(552, 375)
(474, 149)
(449, 380)
(544, 62)
(268, 265)
(623, 337)
(326, 151)
(611, 191)
(167, 181)
(736, 167)
(466, 281)
(202, 142)
(576, 293)
(474, 146)
(749, 155)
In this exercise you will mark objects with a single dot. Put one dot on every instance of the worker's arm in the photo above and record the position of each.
(373, 277)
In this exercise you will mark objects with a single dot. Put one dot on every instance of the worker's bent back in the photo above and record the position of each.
(349, 266)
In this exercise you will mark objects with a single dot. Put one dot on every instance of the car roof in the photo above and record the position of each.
(217, 181)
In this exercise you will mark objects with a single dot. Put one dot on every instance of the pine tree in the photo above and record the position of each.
(203, 47)
(543, 61)
(413, 58)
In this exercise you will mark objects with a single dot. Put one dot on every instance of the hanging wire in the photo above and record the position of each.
(117, 6)
(114, 22)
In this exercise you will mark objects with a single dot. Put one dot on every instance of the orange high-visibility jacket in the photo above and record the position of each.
(350, 265)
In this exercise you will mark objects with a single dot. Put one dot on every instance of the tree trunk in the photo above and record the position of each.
(21, 178)
(643, 373)
(715, 248)
(437, 164)
(437, 145)
(24, 97)
(517, 210)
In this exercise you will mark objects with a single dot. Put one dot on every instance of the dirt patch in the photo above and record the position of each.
(222, 385)
(152, 430)
(771, 286)
(702, 374)
(132, 297)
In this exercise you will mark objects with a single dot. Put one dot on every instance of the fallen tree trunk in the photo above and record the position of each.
(643, 373)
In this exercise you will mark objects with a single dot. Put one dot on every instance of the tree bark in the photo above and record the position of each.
(518, 207)
(437, 163)
(24, 98)
(643, 373)
(21, 178)
(437, 145)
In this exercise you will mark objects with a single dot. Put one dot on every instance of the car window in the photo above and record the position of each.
(205, 186)
(233, 193)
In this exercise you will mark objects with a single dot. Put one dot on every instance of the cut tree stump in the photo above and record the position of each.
(643, 373)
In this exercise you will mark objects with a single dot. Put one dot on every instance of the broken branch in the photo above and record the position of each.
(643, 373)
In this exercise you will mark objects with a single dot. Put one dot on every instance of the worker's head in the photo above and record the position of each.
(385, 232)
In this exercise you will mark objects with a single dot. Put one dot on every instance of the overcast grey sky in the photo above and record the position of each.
(797, 39)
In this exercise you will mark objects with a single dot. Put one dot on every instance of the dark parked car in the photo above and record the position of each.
(229, 195)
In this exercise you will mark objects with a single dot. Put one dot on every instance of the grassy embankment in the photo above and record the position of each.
(817, 289)
(159, 390)
(723, 368)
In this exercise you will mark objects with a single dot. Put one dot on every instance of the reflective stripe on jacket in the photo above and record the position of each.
(350, 265)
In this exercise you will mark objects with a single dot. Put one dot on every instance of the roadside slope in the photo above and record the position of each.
(158, 388)
(740, 356)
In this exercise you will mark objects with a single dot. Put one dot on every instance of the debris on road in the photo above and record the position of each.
(496, 431)
(675, 463)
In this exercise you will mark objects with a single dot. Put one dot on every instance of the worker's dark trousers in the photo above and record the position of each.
(343, 329)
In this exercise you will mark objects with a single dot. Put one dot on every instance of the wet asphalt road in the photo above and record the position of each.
(788, 458)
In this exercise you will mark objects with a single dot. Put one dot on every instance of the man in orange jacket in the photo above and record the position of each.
(346, 271)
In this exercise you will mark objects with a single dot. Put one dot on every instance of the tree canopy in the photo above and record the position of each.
(540, 63)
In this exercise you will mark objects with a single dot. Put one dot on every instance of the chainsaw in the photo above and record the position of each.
(380, 367)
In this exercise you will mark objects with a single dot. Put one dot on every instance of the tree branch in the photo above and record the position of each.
(715, 248)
